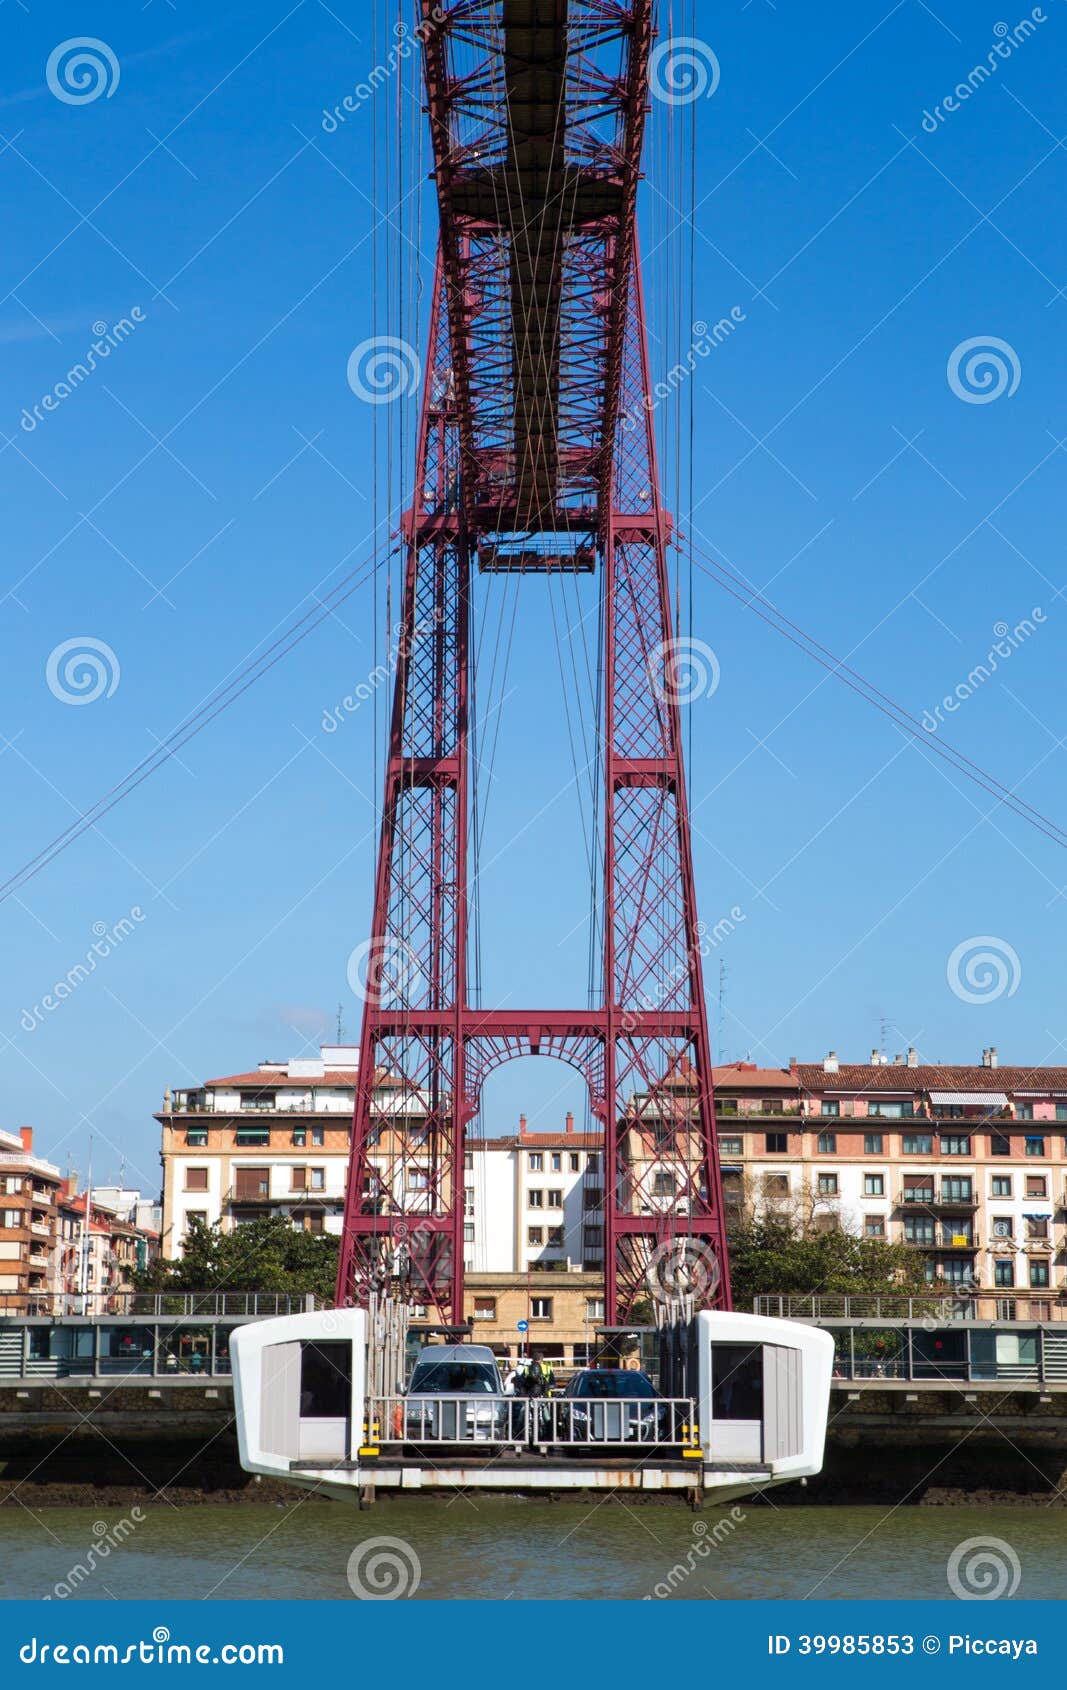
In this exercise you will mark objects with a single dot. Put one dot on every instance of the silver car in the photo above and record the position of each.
(454, 1395)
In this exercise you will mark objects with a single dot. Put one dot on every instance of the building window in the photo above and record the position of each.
(874, 1185)
(917, 1144)
(535, 1162)
(956, 1189)
(485, 1308)
(555, 1198)
(555, 1238)
(1035, 1144)
(829, 1106)
(592, 1238)
(557, 1162)
(889, 1111)
(299, 1137)
(592, 1162)
(1037, 1226)
(535, 1235)
(468, 1199)
(196, 1137)
(540, 1308)
(314, 1222)
(1002, 1226)
(731, 1146)
(919, 1229)
(594, 1308)
(298, 1179)
(999, 1144)
(1000, 1185)
(663, 1184)
(196, 1179)
(1039, 1276)
(468, 1161)
(827, 1144)
(195, 1217)
(726, 1106)
(1061, 1111)
(535, 1199)
(872, 1144)
(246, 1137)
(573, 1160)
(1004, 1274)
(955, 1144)
(1036, 1185)
(873, 1226)
(418, 1179)
(318, 1135)
(468, 1232)
(827, 1185)
(318, 1179)
(10, 1218)
(258, 1099)
(776, 1185)
(777, 1143)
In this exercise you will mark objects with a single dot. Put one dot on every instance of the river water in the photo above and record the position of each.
(506, 1550)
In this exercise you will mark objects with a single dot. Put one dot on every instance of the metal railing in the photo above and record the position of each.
(570, 1423)
(93, 1305)
(962, 1303)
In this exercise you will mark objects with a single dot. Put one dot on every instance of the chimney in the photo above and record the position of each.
(570, 1120)
(985, 1059)
(26, 1135)
(992, 1056)
(830, 1064)
(875, 1058)
(913, 1057)
(522, 1125)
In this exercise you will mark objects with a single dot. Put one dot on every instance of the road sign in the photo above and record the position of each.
(524, 1326)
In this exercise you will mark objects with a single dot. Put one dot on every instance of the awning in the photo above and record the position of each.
(994, 1099)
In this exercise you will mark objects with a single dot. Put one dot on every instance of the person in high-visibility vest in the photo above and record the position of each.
(539, 1377)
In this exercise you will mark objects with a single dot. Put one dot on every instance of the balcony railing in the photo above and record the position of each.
(929, 1197)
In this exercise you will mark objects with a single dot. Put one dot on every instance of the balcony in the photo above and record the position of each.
(943, 1244)
(929, 1197)
(253, 1199)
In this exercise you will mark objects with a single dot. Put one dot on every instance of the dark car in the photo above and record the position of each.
(613, 1405)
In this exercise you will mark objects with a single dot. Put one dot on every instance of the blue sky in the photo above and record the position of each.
(189, 499)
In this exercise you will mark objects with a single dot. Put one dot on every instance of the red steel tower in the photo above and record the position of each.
(536, 453)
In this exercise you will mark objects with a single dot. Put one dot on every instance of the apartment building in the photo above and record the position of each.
(535, 1201)
(274, 1140)
(29, 1188)
(965, 1164)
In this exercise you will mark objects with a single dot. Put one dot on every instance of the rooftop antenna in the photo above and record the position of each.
(340, 1024)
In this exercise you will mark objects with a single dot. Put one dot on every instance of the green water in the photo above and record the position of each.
(473, 1547)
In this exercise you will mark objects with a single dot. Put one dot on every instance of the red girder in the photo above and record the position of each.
(535, 419)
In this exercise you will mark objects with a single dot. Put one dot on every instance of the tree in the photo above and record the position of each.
(772, 1253)
(262, 1255)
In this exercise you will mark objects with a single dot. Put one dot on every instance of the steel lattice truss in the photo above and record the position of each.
(536, 423)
